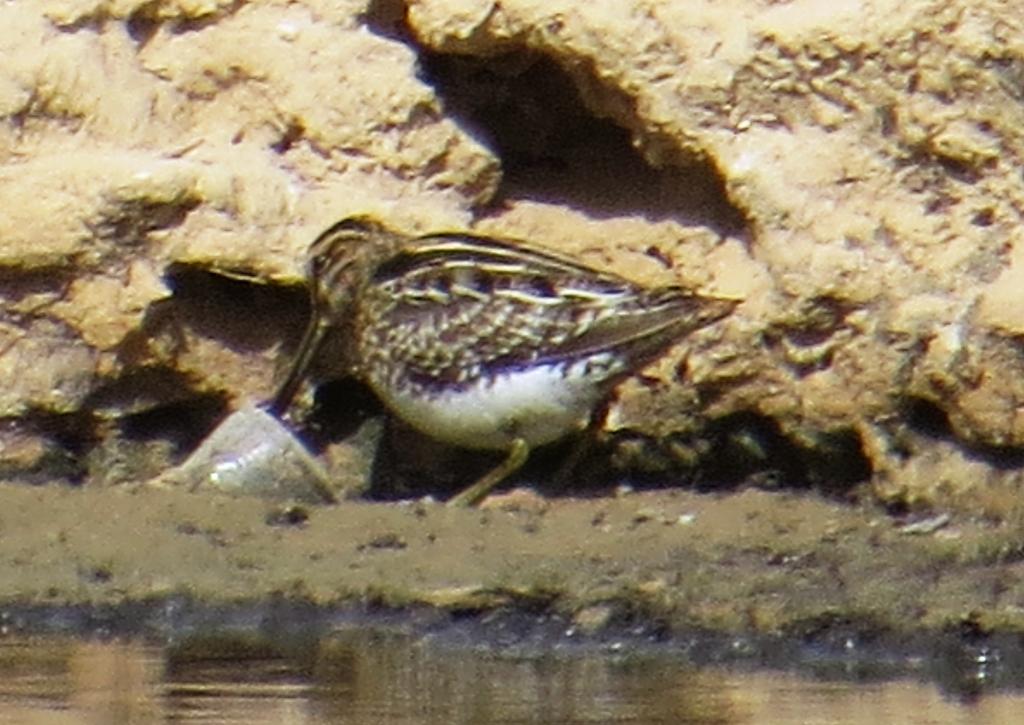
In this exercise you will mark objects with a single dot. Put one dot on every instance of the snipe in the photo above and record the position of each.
(484, 343)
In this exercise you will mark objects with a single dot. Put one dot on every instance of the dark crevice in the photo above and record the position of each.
(836, 462)
(339, 408)
(201, 22)
(143, 23)
(984, 217)
(748, 446)
(928, 419)
(146, 20)
(36, 111)
(16, 284)
(139, 390)
(1004, 458)
(91, 22)
(289, 136)
(387, 18)
(553, 148)
(820, 318)
(748, 449)
(932, 161)
(925, 417)
(183, 424)
(245, 315)
(130, 221)
(76, 432)
(802, 341)
(127, 430)
(814, 323)
(70, 436)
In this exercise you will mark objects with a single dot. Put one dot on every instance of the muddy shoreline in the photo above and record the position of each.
(750, 576)
(962, 663)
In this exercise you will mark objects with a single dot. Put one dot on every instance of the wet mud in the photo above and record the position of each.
(658, 565)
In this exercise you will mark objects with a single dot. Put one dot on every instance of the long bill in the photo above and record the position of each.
(307, 349)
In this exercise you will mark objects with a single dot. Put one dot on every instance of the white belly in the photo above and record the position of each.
(539, 405)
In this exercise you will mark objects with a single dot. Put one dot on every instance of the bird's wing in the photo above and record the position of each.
(458, 306)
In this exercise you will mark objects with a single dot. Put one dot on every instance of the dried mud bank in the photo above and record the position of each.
(851, 171)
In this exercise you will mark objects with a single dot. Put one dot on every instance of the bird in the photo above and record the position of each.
(481, 342)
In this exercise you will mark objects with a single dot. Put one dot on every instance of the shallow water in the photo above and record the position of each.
(381, 677)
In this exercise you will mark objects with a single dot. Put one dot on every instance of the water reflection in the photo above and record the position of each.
(360, 677)
(400, 681)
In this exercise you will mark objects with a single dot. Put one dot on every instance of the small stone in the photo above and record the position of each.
(290, 515)
(593, 619)
(518, 500)
(926, 526)
(387, 540)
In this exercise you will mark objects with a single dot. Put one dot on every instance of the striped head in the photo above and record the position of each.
(339, 265)
(342, 259)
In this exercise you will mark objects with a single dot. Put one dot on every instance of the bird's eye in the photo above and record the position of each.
(318, 263)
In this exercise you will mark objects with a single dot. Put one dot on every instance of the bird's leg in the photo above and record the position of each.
(477, 492)
(582, 445)
(585, 443)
